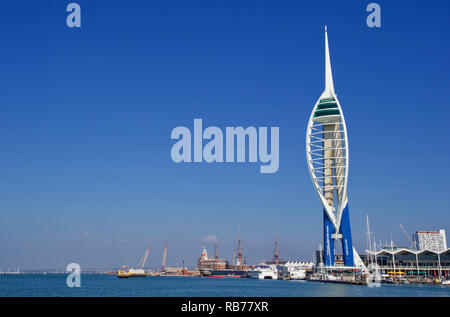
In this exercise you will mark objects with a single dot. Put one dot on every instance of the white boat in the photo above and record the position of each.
(264, 272)
(445, 281)
(297, 274)
(331, 277)
(136, 272)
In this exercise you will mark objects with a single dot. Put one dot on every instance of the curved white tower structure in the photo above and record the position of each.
(328, 157)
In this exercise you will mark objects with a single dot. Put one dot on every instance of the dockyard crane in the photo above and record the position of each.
(413, 245)
(164, 259)
(407, 236)
(145, 257)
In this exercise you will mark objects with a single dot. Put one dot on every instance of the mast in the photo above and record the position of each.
(320, 258)
(239, 249)
(275, 251)
(215, 249)
(369, 243)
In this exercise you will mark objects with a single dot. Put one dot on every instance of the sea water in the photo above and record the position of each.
(110, 285)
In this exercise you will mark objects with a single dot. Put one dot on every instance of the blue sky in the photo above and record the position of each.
(86, 115)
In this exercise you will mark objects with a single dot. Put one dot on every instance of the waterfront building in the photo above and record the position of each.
(338, 258)
(295, 270)
(307, 265)
(423, 263)
(179, 271)
(289, 269)
(431, 240)
(328, 161)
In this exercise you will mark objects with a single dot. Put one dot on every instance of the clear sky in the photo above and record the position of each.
(86, 114)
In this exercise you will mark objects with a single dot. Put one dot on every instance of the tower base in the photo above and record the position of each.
(344, 234)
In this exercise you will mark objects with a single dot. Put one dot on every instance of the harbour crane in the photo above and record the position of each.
(407, 236)
(145, 257)
(164, 259)
(413, 245)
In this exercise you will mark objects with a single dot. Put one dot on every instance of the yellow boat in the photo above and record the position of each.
(123, 273)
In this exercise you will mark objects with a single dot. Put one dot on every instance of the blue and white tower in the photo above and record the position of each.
(327, 156)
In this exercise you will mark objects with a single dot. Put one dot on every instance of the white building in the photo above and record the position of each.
(431, 240)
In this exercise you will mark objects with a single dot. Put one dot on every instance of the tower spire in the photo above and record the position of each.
(329, 86)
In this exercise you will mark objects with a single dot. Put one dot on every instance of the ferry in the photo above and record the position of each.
(129, 272)
(264, 272)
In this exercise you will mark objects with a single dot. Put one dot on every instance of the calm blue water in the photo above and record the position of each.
(106, 285)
